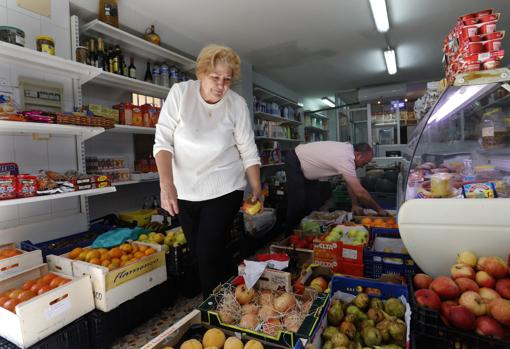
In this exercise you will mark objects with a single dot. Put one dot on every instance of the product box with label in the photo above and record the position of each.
(14, 260)
(271, 279)
(299, 258)
(112, 288)
(46, 313)
(312, 272)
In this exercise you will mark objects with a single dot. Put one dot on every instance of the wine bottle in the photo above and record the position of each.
(132, 68)
(148, 73)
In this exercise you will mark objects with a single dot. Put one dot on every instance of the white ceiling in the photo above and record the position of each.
(317, 47)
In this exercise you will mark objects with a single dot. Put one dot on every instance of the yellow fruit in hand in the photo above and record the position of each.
(214, 337)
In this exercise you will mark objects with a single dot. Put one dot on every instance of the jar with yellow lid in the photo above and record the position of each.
(46, 44)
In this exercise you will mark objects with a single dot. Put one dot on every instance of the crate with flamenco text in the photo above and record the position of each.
(14, 260)
(277, 317)
(340, 247)
(39, 303)
(113, 284)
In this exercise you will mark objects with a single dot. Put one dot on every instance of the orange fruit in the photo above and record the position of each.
(114, 265)
(127, 248)
(27, 285)
(26, 295)
(102, 250)
(139, 255)
(134, 249)
(82, 255)
(14, 294)
(45, 288)
(92, 254)
(124, 257)
(116, 260)
(55, 282)
(115, 252)
(149, 251)
(75, 252)
(122, 263)
(64, 281)
(3, 299)
(104, 256)
(366, 221)
(37, 286)
(142, 248)
(48, 277)
(105, 262)
(11, 304)
(95, 261)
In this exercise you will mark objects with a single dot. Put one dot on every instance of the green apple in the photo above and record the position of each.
(143, 237)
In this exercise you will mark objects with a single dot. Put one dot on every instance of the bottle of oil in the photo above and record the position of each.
(108, 12)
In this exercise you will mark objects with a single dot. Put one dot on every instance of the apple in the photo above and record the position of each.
(474, 302)
(503, 287)
(484, 279)
(319, 283)
(428, 299)
(487, 326)
(244, 295)
(461, 317)
(467, 258)
(462, 270)
(466, 284)
(493, 265)
(500, 310)
(421, 281)
(445, 309)
(284, 302)
(252, 208)
(445, 287)
(488, 294)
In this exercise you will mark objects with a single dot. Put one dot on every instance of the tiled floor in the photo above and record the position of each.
(164, 319)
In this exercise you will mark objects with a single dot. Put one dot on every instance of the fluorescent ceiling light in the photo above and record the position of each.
(391, 61)
(380, 14)
(328, 102)
(300, 104)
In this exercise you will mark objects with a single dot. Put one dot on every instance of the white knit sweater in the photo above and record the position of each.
(212, 144)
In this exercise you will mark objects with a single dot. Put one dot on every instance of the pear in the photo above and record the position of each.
(394, 307)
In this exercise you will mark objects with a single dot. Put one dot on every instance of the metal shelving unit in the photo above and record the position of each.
(128, 84)
(44, 128)
(132, 129)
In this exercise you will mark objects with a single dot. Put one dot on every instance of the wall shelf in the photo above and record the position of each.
(132, 129)
(267, 96)
(134, 44)
(315, 129)
(277, 118)
(277, 139)
(21, 56)
(135, 182)
(128, 84)
(89, 192)
(38, 127)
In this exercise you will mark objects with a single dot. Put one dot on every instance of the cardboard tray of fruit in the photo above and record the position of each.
(39, 303)
(189, 332)
(367, 313)
(117, 274)
(14, 260)
(314, 278)
(469, 309)
(277, 317)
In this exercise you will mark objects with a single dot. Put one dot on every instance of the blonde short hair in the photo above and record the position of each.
(213, 54)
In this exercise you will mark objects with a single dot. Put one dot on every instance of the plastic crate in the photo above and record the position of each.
(67, 243)
(431, 332)
(73, 336)
(177, 259)
(374, 265)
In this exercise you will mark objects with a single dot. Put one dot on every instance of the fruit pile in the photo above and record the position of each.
(172, 238)
(9, 252)
(352, 237)
(215, 338)
(297, 242)
(30, 289)
(377, 222)
(365, 322)
(113, 258)
(475, 297)
(265, 311)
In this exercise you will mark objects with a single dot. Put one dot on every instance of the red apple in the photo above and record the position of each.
(461, 317)
(472, 301)
(488, 294)
(445, 287)
(484, 279)
(319, 283)
(428, 299)
(421, 280)
(445, 309)
(494, 265)
(487, 326)
(467, 258)
(466, 284)
(503, 287)
(462, 270)
(500, 310)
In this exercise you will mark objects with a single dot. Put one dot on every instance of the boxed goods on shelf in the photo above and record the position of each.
(14, 260)
(300, 315)
(115, 285)
(385, 254)
(139, 217)
(46, 312)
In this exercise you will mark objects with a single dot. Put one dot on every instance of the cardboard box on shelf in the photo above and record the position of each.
(18, 263)
(112, 288)
(44, 314)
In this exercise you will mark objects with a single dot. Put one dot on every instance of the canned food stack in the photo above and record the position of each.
(474, 44)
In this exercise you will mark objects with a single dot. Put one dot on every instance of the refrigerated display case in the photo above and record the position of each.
(454, 187)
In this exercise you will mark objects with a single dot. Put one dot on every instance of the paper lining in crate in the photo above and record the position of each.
(46, 313)
(112, 288)
(17, 263)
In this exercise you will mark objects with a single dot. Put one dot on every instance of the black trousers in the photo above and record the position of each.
(303, 195)
(207, 225)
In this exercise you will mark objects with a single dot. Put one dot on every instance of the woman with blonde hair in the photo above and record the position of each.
(205, 150)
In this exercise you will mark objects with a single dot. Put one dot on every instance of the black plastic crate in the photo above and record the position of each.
(431, 332)
(177, 259)
(188, 283)
(73, 336)
(67, 243)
